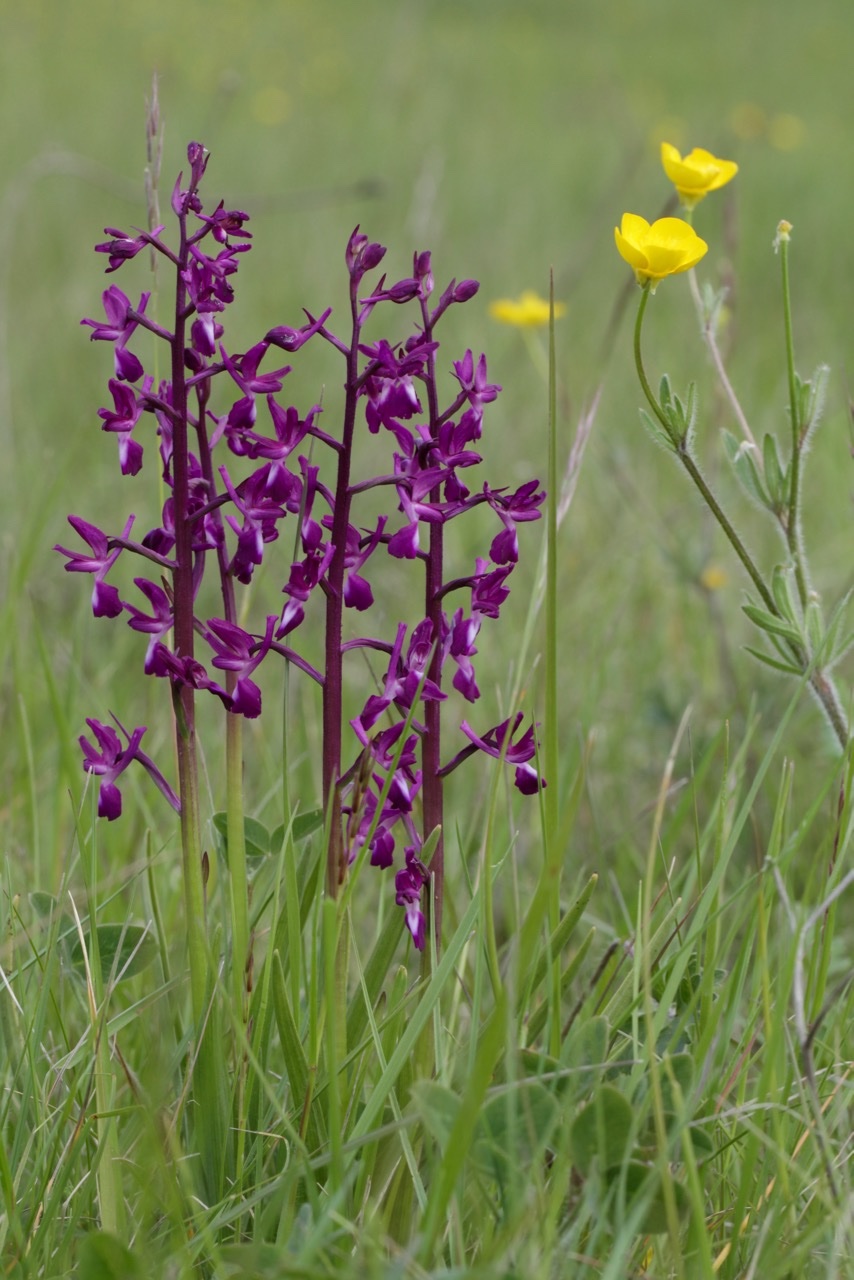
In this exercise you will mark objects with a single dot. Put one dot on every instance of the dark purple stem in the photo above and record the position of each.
(206, 460)
(336, 859)
(431, 787)
(183, 575)
(182, 694)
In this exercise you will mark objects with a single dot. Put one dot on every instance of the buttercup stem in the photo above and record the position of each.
(821, 684)
(693, 470)
(720, 369)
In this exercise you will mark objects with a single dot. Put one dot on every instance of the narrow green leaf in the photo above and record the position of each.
(776, 663)
(489, 1048)
(376, 973)
(774, 626)
(417, 1021)
(813, 397)
(814, 624)
(834, 647)
(740, 455)
(296, 1063)
(657, 432)
(781, 589)
(537, 1020)
(563, 932)
(775, 476)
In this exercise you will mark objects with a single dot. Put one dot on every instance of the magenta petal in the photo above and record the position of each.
(109, 801)
(246, 700)
(106, 602)
(403, 545)
(357, 592)
(127, 366)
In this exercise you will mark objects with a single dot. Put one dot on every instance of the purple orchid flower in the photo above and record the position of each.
(109, 759)
(514, 508)
(121, 420)
(460, 647)
(121, 248)
(403, 678)
(240, 652)
(409, 883)
(223, 223)
(519, 753)
(118, 330)
(106, 602)
(357, 590)
(292, 339)
(206, 278)
(156, 624)
(362, 255)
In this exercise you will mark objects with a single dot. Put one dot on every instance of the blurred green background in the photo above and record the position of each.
(508, 138)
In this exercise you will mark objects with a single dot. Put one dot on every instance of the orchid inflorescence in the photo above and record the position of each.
(213, 514)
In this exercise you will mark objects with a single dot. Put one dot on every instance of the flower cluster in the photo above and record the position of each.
(229, 514)
(671, 245)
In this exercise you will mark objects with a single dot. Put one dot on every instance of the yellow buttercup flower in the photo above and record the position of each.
(663, 248)
(696, 174)
(528, 311)
(713, 578)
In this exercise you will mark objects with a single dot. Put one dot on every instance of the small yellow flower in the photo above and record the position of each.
(695, 175)
(528, 311)
(713, 578)
(664, 248)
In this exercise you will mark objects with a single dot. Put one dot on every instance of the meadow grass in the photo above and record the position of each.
(632, 1056)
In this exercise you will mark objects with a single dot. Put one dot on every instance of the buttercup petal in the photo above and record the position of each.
(697, 173)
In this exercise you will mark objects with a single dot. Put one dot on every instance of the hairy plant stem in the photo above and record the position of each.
(553, 858)
(432, 786)
(710, 339)
(793, 520)
(183, 694)
(821, 684)
(685, 457)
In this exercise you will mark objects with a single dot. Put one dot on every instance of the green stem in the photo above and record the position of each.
(237, 861)
(793, 536)
(825, 690)
(551, 745)
(182, 694)
(191, 850)
(681, 449)
(108, 1180)
(821, 684)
